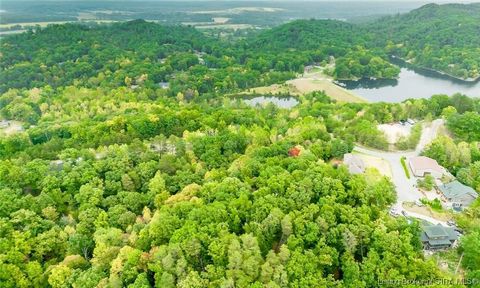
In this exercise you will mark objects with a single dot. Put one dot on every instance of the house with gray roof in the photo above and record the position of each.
(354, 163)
(437, 237)
(459, 195)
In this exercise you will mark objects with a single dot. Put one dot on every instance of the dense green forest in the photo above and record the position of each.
(134, 188)
(63, 54)
(138, 168)
(445, 38)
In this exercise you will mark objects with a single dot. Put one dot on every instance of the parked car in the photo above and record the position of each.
(451, 223)
(419, 203)
(404, 213)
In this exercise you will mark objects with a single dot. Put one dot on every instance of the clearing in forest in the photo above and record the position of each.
(310, 82)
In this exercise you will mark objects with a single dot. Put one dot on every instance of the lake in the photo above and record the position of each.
(412, 83)
(282, 102)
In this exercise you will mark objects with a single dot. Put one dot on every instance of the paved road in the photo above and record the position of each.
(426, 218)
(406, 190)
(429, 133)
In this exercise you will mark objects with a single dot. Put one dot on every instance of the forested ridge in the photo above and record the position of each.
(137, 167)
(445, 38)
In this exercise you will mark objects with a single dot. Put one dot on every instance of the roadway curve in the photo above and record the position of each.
(406, 188)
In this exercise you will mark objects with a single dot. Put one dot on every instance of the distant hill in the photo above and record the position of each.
(445, 38)
(309, 34)
(441, 37)
(324, 38)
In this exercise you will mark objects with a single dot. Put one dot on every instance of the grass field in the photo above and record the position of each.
(307, 84)
(374, 162)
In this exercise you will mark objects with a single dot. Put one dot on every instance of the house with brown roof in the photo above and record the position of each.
(422, 166)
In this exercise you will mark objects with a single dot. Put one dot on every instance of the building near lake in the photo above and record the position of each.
(459, 195)
(354, 163)
(422, 166)
(436, 237)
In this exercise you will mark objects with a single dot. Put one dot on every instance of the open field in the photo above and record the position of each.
(220, 20)
(225, 26)
(374, 162)
(240, 10)
(14, 127)
(45, 24)
(12, 32)
(395, 131)
(307, 83)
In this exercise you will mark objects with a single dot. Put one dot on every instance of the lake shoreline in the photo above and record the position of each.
(441, 73)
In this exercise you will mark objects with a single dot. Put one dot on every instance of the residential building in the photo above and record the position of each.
(459, 195)
(422, 166)
(437, 237)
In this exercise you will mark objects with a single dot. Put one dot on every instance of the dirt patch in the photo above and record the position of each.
(427, 211)
(395, 131)
(220, 20)
(374, 162)
(12, 128)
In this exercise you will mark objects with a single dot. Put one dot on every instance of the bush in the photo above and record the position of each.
(434, 204)
(410, 142)
(427, 183)
(404, 165)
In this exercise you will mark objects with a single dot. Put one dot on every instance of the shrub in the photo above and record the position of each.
(404, 165)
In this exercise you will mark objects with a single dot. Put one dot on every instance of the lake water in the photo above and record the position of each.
(412, 83)
(282, 102)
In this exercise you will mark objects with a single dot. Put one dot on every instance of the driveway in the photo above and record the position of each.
(406, 190)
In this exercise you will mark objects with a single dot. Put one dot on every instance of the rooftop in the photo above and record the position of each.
(426, 163)
(438, 232)
(455, 190)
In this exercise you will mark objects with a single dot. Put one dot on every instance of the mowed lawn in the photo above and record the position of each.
(305, 85)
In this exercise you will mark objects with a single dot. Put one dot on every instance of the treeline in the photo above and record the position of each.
(132, 54)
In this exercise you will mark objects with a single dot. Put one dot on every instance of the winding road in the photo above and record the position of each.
(406, 188)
